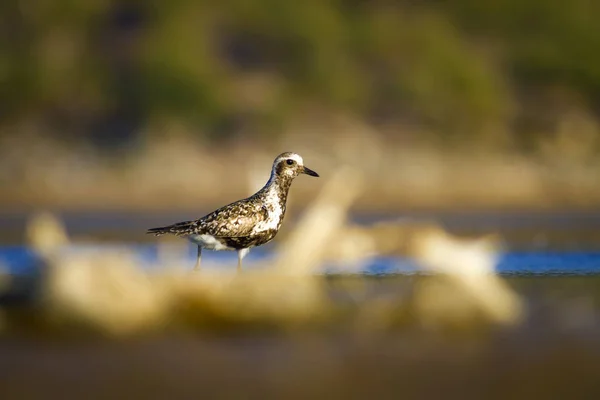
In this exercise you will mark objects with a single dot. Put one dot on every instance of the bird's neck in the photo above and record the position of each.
(278, 187)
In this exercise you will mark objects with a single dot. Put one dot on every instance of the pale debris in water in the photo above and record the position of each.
(305, 248)
(45, 233)
(113, 293)
(108, 291)
(468, 265)
(352, 248)
(116, 296)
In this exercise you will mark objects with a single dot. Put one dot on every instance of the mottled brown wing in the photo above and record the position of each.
(233, 220)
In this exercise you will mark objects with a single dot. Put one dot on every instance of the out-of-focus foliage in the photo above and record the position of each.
(110, 68)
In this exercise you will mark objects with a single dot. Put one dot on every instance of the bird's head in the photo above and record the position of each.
(289, 165)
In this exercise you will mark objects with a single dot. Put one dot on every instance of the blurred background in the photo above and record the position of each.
(475, 119)
(130, 105)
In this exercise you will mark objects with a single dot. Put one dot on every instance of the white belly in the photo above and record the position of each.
(208, 242)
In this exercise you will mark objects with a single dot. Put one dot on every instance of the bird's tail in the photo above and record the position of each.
(158, 231)
(181, 228)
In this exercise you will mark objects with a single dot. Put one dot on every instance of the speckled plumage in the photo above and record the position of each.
(246, 223)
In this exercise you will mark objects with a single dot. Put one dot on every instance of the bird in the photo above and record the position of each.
(246, 223)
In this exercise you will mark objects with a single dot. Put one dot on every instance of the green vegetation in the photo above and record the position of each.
(458, 69)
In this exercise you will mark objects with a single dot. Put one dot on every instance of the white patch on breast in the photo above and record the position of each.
(208, 242)
(274, 211)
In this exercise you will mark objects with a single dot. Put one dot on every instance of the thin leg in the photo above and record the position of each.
(199, 259)
(241, 254)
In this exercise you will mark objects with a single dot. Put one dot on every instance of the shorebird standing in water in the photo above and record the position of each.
(246, 223)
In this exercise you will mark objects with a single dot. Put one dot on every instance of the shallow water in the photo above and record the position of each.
(537, 243)
(22, 260)
(551, 260)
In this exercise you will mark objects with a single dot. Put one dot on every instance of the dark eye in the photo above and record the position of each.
(290, 162)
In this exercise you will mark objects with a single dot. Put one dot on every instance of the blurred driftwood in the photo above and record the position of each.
(111, 292)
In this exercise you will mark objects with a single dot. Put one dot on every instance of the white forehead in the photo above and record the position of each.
(293, 156)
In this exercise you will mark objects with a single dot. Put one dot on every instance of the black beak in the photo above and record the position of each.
(309, 171)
